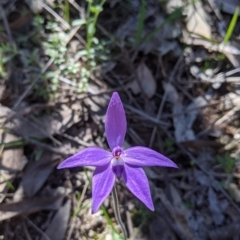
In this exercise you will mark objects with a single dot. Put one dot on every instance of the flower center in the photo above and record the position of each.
(116, 152)
(117, 162)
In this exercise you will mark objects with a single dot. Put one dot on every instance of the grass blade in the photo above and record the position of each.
(231, 26)
(140, 22)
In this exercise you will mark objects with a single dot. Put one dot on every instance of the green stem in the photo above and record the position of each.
(117, 212)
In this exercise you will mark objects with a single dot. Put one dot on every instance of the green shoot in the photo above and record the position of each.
(169, 145)
(227, 162)
(140, 23)
(92, 16)
(66, 11)
(13, 144)
(231, 26)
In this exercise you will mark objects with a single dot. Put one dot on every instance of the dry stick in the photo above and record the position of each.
(42, 145)
(130, 225)
(145, 115)
(117, 212)
(79, 141)
(26, 231)
(37, 228)
(73, 222)
(60, 19)
(162, 103)
(64, 23)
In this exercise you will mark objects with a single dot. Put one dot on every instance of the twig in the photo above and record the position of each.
(163, 102)
(117, 212)
(41, 145)
(28, 237)
(130, 225)
(37, 228)
(143, 114)
(64, 23)
(227, 116)
(79, 141)
(73, 222)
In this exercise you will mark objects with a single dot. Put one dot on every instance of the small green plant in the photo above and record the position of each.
(169, 145)
(93, 11)
(8, 183)
(7, 53)
(188, 204)
(227, 162)
(93, 46)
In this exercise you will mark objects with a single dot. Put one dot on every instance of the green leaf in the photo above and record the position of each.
(231, 26)
(78, 22)
(96, 9)
(91, 29)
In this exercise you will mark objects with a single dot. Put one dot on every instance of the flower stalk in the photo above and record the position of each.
(117, 212)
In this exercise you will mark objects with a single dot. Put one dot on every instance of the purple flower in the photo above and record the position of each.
(121, 164)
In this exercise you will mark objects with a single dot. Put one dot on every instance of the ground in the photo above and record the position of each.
(175, 65)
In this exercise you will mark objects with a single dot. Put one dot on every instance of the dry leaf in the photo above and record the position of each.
(197, 20)
(36, 5)
(58, 226)
(228, 6)
(146, 79)
(21, 21)
(163, 40)
(194, 108)
(29, 206)
(37, 173)
(214, 207)
(12, 159)
(182, 131)
(234, 191)
(178, 203)
(230, 231)
(42, 127)
(159, 229)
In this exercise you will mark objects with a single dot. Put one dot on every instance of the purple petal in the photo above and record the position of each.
(142, 156)
(115, 123)
(92, 156)
(103, 181)
(137, 182)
